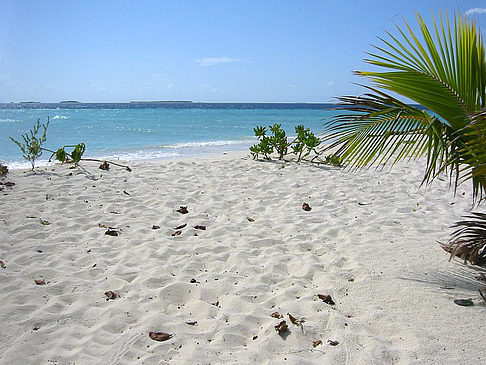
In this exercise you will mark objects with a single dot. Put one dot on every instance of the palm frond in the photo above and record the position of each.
(469, 241)
(444, 71)
(379, 129)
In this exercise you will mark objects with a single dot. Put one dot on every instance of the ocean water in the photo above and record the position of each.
(150, 131)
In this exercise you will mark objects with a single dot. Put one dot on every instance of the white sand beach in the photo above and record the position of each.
(370, 242)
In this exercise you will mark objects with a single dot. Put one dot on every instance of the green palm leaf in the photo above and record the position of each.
(444, 71)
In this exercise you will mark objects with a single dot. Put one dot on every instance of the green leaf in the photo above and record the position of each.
(61, 155)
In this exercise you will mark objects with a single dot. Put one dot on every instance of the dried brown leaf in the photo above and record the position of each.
(191, 323)
(306, 207)
(2, 265)
(250, 219)
(160, 336)
(203, 228)
(44, 222)
(104, 166)
(276, 315)
(155, 227)
(332, 342)
(316, 343)
(181, 226)
(39, 282)
(326, 299)
(111, 295)
(177, 233)
(112, 232)
(297, 322)
(281, 327)
(183, 210)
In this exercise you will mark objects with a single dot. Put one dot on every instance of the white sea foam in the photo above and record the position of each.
(9, 120)
(60, 117)
(209, 144)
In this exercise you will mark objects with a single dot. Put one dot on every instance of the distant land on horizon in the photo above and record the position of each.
(135, 104)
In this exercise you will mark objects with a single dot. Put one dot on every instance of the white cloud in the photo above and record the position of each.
(476, 11)
(211, 61)
(330, 83)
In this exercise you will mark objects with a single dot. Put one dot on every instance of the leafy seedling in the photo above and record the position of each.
(31, 146)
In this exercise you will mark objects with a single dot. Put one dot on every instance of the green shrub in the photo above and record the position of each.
(32, 146)
(305, 142)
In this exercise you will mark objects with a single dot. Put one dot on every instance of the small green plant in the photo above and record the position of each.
(32, 146)
(264, 146)
(305, 143)
(74, 157)
(32, 149)
(279, 140)
(333, 160)
(268, 144)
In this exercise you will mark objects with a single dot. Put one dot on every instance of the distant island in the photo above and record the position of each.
(161, 101)
(68, 101)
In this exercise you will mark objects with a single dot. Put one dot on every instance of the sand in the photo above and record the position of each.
(370, 242)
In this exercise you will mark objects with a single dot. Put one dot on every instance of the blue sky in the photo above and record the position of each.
(209, 51)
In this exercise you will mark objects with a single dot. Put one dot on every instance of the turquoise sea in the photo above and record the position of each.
(146, 131)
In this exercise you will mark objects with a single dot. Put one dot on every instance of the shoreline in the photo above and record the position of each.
(369, 242)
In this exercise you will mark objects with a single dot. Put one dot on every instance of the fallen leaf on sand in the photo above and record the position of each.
(276, 315)
(160, 336)
(250, 219)
(39, 282)
(104, 166)
(194, 281)
(125, 192)
(481, 277)
(316, 343)
(332, 343)
(281, 327)
(176, 233)
(255, 337)
(35, 328)
(155, 227)
(203, 228)
(326, 299)
(44, 222)
(2, 265)
(464, 302)
(183, 210)
(191, 323)
(111, 295)
(297, 322)
(181, 226)
(112, 232)
(216, 304)
(306, 207)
